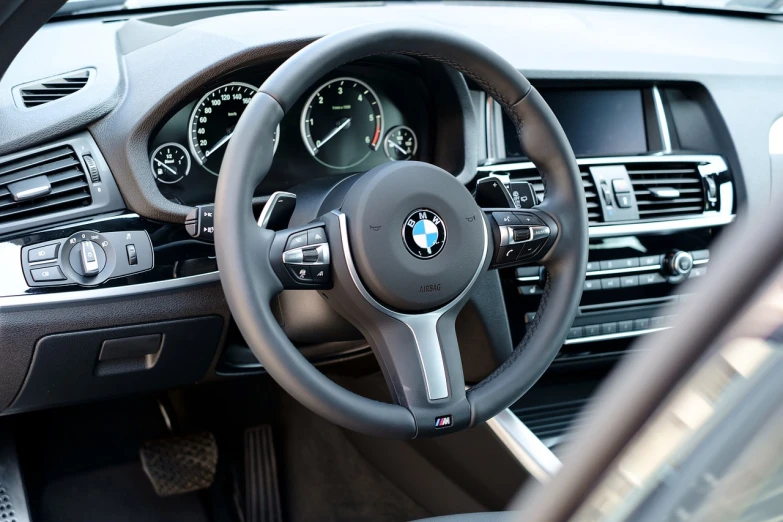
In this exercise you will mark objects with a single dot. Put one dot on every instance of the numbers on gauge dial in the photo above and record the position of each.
(214, 119)
(342, 123)
(400, 143)
(170, 163)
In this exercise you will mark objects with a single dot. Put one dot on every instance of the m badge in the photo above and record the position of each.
(443, 422)
(424, 233)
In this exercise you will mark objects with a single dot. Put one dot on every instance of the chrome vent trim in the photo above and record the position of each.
(69, 185)
(41, 92)
(705, 165)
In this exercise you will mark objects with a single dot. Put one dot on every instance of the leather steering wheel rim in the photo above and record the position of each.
(243, 248)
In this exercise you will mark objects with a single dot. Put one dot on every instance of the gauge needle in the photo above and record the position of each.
(219, 144)
(165, 166)
(332, 134)
(390, 142)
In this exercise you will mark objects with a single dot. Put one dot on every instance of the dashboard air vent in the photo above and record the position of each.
(532, 176)
(667, 190)
(51, 89)
(47, 181)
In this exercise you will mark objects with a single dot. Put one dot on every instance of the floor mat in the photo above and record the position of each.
(119, 494)
(327, 480)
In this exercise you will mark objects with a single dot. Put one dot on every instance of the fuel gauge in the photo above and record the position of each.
(400, 143)
(170, 163)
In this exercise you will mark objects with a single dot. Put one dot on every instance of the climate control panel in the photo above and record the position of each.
(87, 258)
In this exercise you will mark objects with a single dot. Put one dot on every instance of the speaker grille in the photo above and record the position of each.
(6, 508)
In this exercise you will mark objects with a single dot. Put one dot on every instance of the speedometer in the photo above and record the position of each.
(213, 122)
(342, 122)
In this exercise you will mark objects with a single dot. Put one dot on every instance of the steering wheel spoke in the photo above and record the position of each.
(520, 236)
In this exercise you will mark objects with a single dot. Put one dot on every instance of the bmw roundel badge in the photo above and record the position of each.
(424, 233)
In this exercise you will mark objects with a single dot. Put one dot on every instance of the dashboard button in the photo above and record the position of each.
(529, 271)
(297, 240)
(529, 249)
(131, 251)
(641, 324)
(301, 273)
(610, 283)
(657, 322)
(50, 273)
(592, 329)
(316, 236)
(699, 271)
(611, 264)
(700, 254)
(42, 253)
(651, 279)
(608, 328)
(592, 266)
(620, 185)
(531, 290)
(592, 284)
(625, 326)
(628, 262)
(575, 332)
(623, 200)
(629, 281)
(650, 260)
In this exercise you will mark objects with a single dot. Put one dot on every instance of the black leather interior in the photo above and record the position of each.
(496, 516)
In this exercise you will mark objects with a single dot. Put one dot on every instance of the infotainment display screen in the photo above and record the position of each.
(597, 122)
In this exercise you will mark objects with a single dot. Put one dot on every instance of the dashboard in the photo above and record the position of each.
(669, 147)
(353, 120)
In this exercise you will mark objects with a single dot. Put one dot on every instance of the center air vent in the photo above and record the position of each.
(48, 181)
(532, 176)
(51, 89)
(667, 190)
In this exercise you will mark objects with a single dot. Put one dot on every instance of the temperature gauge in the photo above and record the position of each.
(170, 163)
(400, 143)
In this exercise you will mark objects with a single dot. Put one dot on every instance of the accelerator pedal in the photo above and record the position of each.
(262, 493)
(177, 465)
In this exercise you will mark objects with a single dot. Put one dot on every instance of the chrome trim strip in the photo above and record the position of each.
(701, 261)
(529, 278)
(422, 326)
(776, 137)
(491, 135)
(81, 296)
(624, 270)
(608, 337)
(663, 125)
(712, 161)
(675, 225)
(523, 444)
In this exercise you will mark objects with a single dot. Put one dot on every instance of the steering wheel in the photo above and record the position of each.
(399, 255)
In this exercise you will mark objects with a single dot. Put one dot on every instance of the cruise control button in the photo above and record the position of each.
(320, 274)
(42, 253)
(521, 234)
(316, 236)
(50, 273)
(505, 218)
(297, 240)
(310, 255)
(301, 273)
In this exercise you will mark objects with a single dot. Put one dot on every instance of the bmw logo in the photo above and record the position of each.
(424, 233)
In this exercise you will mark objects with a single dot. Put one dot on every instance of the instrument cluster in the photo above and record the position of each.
(351, 121)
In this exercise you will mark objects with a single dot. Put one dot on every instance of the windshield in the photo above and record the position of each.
(770, 7)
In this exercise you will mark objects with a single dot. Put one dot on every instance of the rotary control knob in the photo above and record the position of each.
(87, 258)
(678, 266)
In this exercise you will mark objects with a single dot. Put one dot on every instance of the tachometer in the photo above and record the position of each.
(213, 122)
(342, 122)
